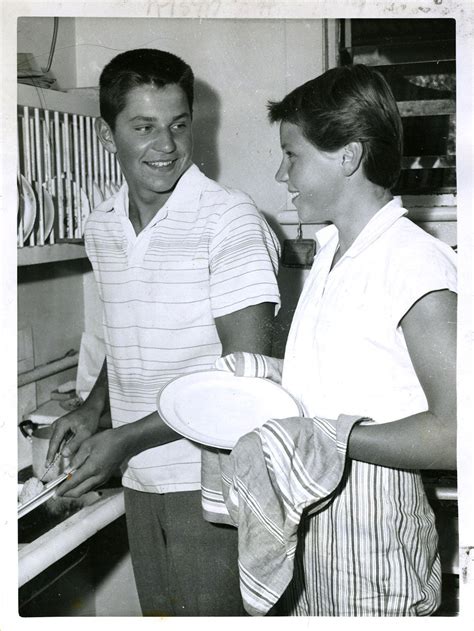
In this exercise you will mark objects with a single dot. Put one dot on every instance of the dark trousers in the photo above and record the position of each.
(183, 565)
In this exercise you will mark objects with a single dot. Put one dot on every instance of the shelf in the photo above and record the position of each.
(404, 49)
(429, 162)
(417, 68)
(50, 253)
(54, 100)
(434, 107)
(421, 209)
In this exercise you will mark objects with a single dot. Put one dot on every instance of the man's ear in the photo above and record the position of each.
(352, 155)
(105, 135)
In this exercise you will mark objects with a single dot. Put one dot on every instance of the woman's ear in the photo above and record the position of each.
(105, 135)
(352, 155)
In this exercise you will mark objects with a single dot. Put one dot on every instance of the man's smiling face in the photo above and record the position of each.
(153, 139)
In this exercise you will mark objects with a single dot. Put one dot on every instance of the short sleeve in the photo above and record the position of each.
(243, 259)
(419, 270)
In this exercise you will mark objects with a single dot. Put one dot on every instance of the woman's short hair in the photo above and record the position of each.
(347, 104)
(143, 66)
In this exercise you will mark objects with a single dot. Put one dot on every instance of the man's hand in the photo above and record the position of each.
(98, 457)
(82, 422)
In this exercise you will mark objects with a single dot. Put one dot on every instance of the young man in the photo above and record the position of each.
(186, 271)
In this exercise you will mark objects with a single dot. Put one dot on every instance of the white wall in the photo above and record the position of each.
(239, 65)
(50, 305)
(34, 35)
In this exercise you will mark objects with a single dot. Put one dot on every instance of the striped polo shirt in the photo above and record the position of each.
(207, 252)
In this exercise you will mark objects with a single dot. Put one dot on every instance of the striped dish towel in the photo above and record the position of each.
(272, 475)
(241, 364)
(251, 365)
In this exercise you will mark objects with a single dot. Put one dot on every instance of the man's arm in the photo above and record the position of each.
(248, 329)
(426, 440)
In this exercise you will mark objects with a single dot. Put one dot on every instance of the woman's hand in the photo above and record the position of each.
(251, 365)
(97, 459)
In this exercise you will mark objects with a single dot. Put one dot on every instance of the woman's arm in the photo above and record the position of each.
(426, 440)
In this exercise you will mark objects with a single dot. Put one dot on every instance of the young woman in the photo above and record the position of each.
(374, 334)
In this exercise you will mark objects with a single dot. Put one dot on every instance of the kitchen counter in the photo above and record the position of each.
(54, 544)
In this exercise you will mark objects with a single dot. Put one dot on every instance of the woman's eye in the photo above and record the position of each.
(179, 126)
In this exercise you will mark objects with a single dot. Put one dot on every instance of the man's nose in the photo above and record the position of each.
(164, 141)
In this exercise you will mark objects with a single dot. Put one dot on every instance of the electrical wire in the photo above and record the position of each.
(53, 45)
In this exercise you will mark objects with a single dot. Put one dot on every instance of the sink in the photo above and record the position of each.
(46, 516)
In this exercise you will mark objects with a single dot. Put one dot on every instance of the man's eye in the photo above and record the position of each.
(143, 129)
(179, 126)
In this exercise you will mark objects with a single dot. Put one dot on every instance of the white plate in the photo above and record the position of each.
(97, 195)
(85, 207)
(48, 213)
(48, 208)
(216, 408)
(109, 191)
(72, 191)
(27, 206)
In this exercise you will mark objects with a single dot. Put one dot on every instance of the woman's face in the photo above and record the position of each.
(313, 177)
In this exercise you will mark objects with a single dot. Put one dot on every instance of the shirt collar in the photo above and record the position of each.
(324, 235)
(185, 196)
(378, 224)
(188, 191)
(118, 201)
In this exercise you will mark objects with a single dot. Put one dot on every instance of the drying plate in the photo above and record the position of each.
(97, 195)
(85, 207)
(48, 207)
(109, 190)
(48, 213)
(27, 206)
(216, 408)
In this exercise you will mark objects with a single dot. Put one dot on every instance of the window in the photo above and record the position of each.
(418, 59)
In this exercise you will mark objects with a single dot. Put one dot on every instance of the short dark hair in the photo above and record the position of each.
(143, 66)
(347, 104)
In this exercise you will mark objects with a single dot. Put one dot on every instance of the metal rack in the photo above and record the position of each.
(63, 172)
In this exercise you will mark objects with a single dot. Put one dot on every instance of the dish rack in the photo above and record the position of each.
(63, 170)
